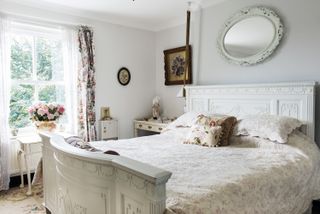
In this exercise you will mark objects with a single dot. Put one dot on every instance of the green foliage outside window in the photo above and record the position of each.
(21, 58)
(49, 66)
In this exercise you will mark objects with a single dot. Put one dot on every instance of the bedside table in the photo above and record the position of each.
(108, 129)
(152, 126)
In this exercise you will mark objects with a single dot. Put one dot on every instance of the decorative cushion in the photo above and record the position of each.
(226, 122)
(80, 143)
(187, 120)
(204, 135)
(273, 127)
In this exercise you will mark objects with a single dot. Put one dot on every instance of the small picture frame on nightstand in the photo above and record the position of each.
(105, 113)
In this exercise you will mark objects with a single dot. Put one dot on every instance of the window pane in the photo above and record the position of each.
(21, 57)
(49, 59)
(21, 99)
(52, 93)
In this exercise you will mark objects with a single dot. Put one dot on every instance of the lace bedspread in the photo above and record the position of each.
(250, 176)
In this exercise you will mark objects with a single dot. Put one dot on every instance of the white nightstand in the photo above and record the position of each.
(152, 126)
(108, 129)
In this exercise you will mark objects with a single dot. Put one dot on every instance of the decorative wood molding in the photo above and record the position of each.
(259, 89)
(67, 205)
(286, 99)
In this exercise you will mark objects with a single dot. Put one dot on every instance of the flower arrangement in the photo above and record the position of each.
(46, 112)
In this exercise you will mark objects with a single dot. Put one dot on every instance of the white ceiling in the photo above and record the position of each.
(147, 14)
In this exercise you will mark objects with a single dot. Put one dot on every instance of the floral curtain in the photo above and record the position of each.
(4, 108)
(86, 85)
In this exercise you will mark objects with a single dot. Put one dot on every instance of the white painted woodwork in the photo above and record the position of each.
(285, 99)
(13, 160)
(152, 126)
(108, 129)
(78, 181)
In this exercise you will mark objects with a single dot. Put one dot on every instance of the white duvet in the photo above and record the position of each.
(250, 176)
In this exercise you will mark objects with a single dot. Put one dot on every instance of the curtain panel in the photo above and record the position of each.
(4, 106)
(86, 85)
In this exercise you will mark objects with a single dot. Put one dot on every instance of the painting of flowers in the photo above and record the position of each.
(175, 61)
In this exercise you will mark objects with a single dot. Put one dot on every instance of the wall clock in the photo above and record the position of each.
(124, 76)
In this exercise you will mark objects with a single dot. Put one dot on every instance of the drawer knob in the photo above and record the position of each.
(160, 128)
(140, 125)
(149, 127)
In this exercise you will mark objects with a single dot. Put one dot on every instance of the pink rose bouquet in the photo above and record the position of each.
(46, 112)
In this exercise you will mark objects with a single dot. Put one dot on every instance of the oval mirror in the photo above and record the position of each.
(250, 36)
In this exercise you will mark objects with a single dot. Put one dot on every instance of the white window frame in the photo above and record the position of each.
(67, 36)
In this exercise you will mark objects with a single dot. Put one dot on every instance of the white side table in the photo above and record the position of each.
(108, 129)
(153, 126)
(25, 150)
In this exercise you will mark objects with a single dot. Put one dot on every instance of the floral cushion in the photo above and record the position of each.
(204, 135)
(80, 143)
(273, 127)
(226, 122)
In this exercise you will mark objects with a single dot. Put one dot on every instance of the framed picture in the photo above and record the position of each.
(105, 113)
(124, 76)
(174, 60)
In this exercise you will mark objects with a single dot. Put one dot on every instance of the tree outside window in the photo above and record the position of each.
(37, 74)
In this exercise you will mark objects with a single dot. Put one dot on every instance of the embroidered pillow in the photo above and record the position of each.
(226, 122)
(273, 127)
(80, 143)
(204, 135)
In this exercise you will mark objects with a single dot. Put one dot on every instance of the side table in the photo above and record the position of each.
(25, 151)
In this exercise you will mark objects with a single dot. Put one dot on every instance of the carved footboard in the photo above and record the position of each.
(81, 182)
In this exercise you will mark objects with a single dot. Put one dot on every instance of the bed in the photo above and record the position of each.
(158, 174)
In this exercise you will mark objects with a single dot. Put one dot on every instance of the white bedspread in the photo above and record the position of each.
(250, 176)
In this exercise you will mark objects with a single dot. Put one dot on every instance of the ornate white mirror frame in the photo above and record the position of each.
(246, 13)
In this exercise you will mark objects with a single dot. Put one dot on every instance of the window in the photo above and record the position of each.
(39, 71)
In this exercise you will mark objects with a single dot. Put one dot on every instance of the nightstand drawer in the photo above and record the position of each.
(108, 129)
(148, 126)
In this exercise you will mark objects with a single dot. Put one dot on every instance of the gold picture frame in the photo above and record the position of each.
(105, 113)
(174, 60)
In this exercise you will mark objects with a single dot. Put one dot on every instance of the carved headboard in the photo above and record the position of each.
(286, 99)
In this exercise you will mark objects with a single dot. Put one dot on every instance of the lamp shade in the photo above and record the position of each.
(181, 93)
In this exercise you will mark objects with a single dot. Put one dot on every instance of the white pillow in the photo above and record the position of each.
(186, 120)
(273, 127)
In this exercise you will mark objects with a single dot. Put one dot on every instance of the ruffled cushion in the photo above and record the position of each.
(226, 122)
(273, 127)
(204, 135)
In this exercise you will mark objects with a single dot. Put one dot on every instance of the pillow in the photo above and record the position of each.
(187, 120)
(204, 135)
(80, 143)
(226, 122)
(272, 127)
(184, 121)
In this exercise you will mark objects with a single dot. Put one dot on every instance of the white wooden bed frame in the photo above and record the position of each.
(81, 182)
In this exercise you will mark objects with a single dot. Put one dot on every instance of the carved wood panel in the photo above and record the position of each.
(239, 108)
(131, 206)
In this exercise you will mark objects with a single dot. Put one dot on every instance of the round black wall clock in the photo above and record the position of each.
(124, 76)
